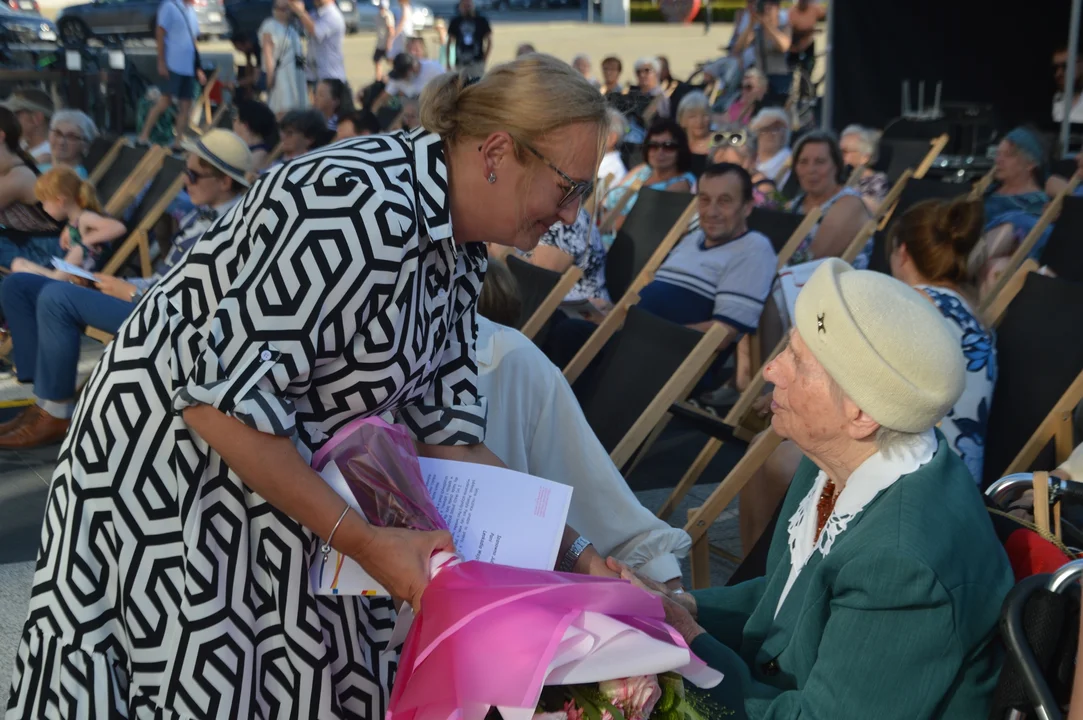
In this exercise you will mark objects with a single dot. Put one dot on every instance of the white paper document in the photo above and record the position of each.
(73, 270)
(494, 514)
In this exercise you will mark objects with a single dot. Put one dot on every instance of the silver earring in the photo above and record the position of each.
(492, 178)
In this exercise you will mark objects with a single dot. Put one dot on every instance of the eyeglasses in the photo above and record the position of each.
(194, 177)
(748, 86)
(733, 139)
(573, 189)
(644, 71)
(663, 145)
(67, 137)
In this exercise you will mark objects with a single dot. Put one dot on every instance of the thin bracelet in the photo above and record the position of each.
(326, 548)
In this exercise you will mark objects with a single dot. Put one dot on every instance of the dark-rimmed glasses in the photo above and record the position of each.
(573, 189)
(194, 177)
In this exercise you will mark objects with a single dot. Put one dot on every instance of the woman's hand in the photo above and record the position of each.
(65, 240)
(680, 607)
(399, 560)
(115, 287)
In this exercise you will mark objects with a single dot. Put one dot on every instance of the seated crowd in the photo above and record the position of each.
(873, 601)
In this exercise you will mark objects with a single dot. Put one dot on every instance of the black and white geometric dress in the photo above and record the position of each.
(165, 588)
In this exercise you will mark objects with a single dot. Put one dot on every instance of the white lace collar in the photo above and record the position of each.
(872, 477)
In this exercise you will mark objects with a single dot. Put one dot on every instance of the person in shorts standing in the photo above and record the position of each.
(176, 33)
(385, 31)
(471, 39)
(326, 29)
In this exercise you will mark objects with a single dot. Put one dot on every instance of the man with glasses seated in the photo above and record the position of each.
(48, 317)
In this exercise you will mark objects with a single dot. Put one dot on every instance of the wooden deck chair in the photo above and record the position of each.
(540, 292)
(982, 185)
(201, 107)
(163, 190)
(599, 192)
(899, 154)
(855, 177)
(609, 219)
(127, 174)
(223, 117)
(644, 370)
(1063, 253)
(640, 247)
(1048, 215)
(103, 151)
(1040, 383)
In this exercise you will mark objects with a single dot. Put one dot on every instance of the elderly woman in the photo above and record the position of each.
(582, 65)
(876, 602)
(70, 134)
(772, 128)
(859, 147)
(1017, 177)
(817, 160)
(748, 103)
(612, 164)
(694, 117)
(667, 168)
(649, 82)
(739, 147)
(201, 417)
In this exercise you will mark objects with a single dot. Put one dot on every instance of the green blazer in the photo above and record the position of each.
(897, 621)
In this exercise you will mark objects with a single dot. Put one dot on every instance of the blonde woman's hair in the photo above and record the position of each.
(527, 98)
(692, 102)
(63, 182)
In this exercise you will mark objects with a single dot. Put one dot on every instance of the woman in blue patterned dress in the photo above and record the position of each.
(929, 246)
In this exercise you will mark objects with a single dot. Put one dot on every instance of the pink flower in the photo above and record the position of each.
(551, 716)
(634, 696)
(573, 711)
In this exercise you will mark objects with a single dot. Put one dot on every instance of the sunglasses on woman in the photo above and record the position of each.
(733, 139)
(573, 189)
(663, 145)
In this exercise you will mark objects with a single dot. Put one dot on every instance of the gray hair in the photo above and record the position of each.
(870, 140)
(771, 115)
(653, 62)
(887, 440)
(79, 119)
(692, 102)
(616, 121)
(747, 150)
(581, 57)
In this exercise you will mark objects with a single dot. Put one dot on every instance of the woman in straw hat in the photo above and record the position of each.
(885, 582)
(173, 578)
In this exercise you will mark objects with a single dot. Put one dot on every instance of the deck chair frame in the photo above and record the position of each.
(107, 161)
(138, 238)
(144, 171)
(201, 108)
(615, 318)
(552, 301)
(1052, 210)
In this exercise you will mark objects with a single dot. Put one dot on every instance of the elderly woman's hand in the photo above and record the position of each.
(679, 606)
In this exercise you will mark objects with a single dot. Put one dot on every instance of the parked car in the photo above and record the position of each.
(245, 16)
(130, 19)
(20, 28)
(26, 6)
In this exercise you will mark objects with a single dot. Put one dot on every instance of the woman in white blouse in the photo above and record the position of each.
(282, 61)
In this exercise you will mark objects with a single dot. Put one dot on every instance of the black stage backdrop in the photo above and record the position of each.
(997, 53)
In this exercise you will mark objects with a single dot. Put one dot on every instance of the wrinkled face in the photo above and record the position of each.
(611, 73)
(525, 200)
(1012, 164)
(345, 130)
(324, 101)
(816, 170)
(697, 123)
(68, 144)
(852, 152)
(647, 78)
(723, 211)
(662, 151)
(805, 408)
(771, 137)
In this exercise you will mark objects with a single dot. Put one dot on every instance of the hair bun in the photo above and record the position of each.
(961, 223)
(439, 102)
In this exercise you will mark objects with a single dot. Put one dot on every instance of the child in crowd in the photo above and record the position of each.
(69, 199)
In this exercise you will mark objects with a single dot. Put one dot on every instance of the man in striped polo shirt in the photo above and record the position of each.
(721, 272)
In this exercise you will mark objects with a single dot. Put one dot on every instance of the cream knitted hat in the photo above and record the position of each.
(887, 347)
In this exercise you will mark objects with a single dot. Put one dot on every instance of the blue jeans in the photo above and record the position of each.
(46, 318)
(40, 250)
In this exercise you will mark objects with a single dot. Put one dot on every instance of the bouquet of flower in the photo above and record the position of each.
(643, 697)
(492, 636)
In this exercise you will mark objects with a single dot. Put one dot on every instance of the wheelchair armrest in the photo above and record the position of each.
(1015, 640)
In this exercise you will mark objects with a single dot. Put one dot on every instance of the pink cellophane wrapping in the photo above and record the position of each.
(490, 635)
(379, 463)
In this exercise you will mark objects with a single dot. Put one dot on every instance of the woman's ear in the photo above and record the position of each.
(496, 151)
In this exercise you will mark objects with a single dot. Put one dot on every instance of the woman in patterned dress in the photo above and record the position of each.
(172, 580)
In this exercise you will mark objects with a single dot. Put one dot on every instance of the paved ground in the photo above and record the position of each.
(25, 476)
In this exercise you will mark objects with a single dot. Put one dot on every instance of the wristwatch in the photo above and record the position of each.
(571, 557)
